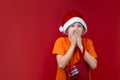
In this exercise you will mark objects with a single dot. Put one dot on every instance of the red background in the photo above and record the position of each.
(29, 28)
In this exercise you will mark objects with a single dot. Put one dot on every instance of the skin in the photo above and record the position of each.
(74, 32)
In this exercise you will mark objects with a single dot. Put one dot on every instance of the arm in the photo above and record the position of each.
(92, 62)
(62, 60)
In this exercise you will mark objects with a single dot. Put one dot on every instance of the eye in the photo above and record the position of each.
(72, 25)
(79, 25)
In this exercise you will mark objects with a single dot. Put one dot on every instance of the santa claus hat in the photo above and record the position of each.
(69, 19)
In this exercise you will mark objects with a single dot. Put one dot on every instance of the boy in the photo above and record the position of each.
(69, 50)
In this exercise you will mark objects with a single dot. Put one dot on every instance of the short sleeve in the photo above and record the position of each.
(58, 46)
(90, 48)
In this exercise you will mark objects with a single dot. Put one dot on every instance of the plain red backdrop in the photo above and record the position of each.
(29, 28)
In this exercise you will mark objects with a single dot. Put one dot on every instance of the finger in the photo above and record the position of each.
(78, 33)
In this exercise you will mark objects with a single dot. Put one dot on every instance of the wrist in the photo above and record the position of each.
(73, 45)
(80, 47)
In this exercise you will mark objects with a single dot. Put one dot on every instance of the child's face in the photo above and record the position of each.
(78, 27)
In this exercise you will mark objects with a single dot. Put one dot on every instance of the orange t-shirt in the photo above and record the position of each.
(62, 45)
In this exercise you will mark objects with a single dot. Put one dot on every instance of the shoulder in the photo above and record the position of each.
(59, 47)
(87, 40)
(61, 39)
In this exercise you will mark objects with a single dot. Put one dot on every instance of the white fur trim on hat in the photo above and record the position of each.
(71, 21)
(61, 29)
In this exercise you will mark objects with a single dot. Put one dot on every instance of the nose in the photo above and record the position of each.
(76, 28)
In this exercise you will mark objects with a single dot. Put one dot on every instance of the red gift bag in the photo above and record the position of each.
(78, 71)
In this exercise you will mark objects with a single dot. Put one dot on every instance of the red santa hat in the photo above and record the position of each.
(69, 19)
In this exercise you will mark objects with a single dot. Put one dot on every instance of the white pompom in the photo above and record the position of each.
(61, 29)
